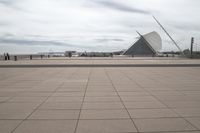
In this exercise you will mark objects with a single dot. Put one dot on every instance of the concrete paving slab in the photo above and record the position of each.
(68, 94)
(102, 99)
(152, 113)
(133, 93)
(16, 110)
(174, 98)
(188, 112)
(65, 99)
(182, 104)
(33, 94)
(98, 94)
(138, 99)
(104, 114)
(105, 126)
(61, 89)
(3, 99)
(61, 105)
(27, 99)
(7, 126)
(47, 126)
(54, 114)
(102, 105)
(195, 121)
(163, 124)
(144, 105)
(11, 107)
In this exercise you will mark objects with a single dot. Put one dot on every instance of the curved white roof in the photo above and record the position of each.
(154, 40)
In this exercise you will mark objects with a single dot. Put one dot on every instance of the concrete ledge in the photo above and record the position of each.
(98, 65)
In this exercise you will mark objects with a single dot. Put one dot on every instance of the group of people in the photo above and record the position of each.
(6, 56)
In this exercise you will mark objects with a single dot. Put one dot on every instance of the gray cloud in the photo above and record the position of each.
(108, 40)
(188, 27)
(6, 2)
(120, 7)
(12, 4)
(10, 39)
(31, 42)
(3, 24)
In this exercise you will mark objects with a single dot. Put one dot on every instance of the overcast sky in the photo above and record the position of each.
(31, 26)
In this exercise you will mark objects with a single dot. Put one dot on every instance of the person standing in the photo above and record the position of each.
(5, 56)
(8, 56)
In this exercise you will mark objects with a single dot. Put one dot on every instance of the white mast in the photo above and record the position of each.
(168, 35)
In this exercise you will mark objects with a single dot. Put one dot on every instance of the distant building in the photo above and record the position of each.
(147, 45)
(70, 53)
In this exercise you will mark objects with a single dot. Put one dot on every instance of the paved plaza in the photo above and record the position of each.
(100, 100)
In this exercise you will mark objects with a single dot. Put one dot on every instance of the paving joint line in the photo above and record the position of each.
(37, 107)
(121, 100)
(83, 100)
(163, 103)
